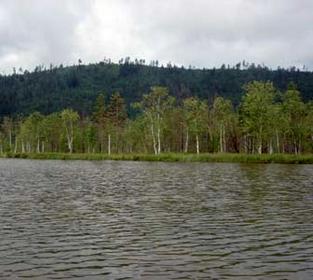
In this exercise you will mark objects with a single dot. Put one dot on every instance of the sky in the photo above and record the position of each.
(201, 33)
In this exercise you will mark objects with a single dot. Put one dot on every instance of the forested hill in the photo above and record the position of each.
(51, 90)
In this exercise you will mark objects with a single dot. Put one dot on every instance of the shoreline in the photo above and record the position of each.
(171, 157)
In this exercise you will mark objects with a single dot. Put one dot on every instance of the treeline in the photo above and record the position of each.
(55, 88)
(266, 121)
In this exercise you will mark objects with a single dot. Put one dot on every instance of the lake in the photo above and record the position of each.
(152, 220)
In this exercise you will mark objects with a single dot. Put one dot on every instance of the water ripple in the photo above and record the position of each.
(131, 220)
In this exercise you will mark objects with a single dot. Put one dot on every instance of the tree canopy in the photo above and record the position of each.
(266, 121)
(53, 89)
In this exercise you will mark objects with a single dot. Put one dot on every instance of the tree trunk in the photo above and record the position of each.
(38, 145)
(260, 140)
(23, 147)
(109, 144)
(10, 139)
(70, 146)
(270, 147)
(69, 136)
(224, 139)
(221, 139)
(186, 142)
(154, 141)
(295, 146)
(158, 126)
(159, 141)
(277, 142)
(260, 147)
(197, 143)
(15, 145)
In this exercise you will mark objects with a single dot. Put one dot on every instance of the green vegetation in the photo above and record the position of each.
(171, 157)
(265, 122)
(55, 88)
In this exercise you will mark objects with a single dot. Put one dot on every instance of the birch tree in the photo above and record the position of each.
(2, 140)
(69, 120)
(32, 132)
(295, 114)
(256, 111)
(196, 117)
(8, 129)
(154, 106)
(222, 113)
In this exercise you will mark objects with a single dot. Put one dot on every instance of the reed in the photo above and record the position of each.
(171, 157)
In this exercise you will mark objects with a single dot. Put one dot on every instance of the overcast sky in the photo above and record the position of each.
(202, 33)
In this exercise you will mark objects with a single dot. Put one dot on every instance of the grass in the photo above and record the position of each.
(172, 157)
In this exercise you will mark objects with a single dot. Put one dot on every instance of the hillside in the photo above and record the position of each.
(50, 90)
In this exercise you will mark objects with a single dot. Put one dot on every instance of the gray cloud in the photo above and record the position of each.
(198, 32)
(38, 31)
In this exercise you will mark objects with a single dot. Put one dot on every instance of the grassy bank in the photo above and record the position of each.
(172, 157)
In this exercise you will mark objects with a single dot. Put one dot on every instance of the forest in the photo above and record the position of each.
(266, 120)
(54, 88)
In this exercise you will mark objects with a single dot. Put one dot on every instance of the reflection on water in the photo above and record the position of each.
(131, 220)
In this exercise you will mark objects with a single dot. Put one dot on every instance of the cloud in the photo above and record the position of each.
(38, 31)
(203, 33)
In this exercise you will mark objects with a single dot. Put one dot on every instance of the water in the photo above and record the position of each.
(132, 220)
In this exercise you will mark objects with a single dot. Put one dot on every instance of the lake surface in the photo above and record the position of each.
(137, 220)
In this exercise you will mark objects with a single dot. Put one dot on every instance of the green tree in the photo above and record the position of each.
(32, 132)
(53, 131)
(222, 114)
(69, 120)
(257, 111)
(89, 135)
(101, 122)
(8, 131)
(136, 135)
(196, 119)
(116, 116)
(2, 141)
(154, 106)
(295, 113)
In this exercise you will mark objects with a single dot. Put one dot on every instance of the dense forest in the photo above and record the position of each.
(53, 89)
(265, 120)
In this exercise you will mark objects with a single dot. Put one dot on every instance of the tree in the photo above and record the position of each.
(309, 124)
(154, 106)
(295, 113)
(222, 113)
(116, 116)
(278, 127)
(266, 121)
(196, 118)
(32, 132)
(100, 118)
(69, 120)
(85, 136)
(174, 130)
(53, 130)
(2, 141)
(136, 135)
(8, 129)
(257, 110)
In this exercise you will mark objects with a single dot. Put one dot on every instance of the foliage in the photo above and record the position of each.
(54, 89)
(267, 121)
